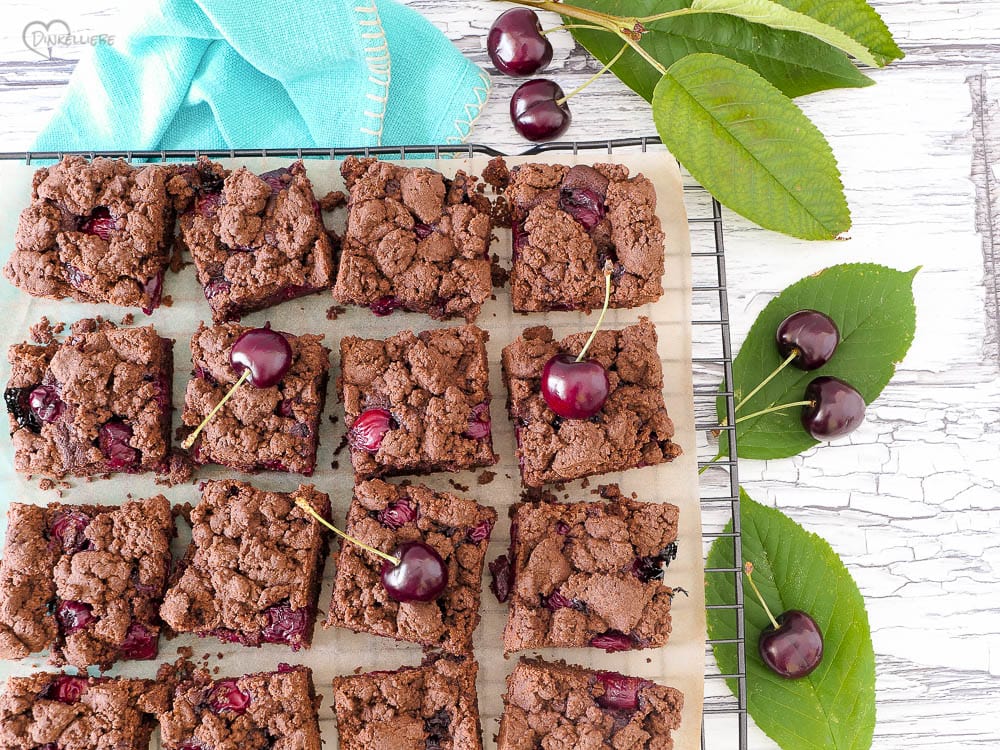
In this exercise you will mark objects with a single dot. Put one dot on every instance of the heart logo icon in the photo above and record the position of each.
(39, 37)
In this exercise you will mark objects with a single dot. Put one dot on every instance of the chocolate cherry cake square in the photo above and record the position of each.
(98, 402)
(554, 704)
(262, 711)
(97, 231)
(85, 581)
(258, 429)
(253, 570)
(74, 712)
(590, 574)
(413, 708)
(417, 403)
(256, 240)
(387, 517)
(568, 222)
(631, 429)
(415, 240)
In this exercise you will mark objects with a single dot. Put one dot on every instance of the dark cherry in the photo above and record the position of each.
(582, 195)
(100, 223)
(154, 290)
(480, 532)
(384, 306)
(73, 616)
(558, 600)
(516, 45)
(227, 696)
(208, 203)
(621, 693)
(48, 746)
(44, 401)
(795, 648)
(139, 643)
(276, 179)
(17, 400)
(423, 231)
(284, 624)
(216, 285)
(536, 111)
(397, 514)
(650, 567)
(812, 335)
(265, 353)
(421, 575)
(75, 276)
(479, 422)
(501, 578)
(66, 688)
(192, 745)
(612, 641)
(836, 409)
(113, 439)
(562, 527)
(67, 530)
(369, 428)
(437, 727)
(574, 390)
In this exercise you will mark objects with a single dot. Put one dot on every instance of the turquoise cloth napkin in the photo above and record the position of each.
(201, 74)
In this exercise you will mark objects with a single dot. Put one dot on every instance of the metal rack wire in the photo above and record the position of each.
(724, 724)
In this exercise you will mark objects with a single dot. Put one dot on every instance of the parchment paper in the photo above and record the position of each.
(679, 664)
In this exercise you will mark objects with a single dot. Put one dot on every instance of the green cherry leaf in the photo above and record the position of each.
(750, 146)
(857, 19)
(796, 64)
(834, 707)
(777, 16)
(874, 310)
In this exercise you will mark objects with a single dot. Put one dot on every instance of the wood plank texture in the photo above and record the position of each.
(911, 500)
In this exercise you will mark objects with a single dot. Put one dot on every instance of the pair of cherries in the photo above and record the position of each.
(262, 357)
(832, 408)
(518, 47)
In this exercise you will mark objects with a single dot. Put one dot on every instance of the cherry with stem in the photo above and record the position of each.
(792, 645)
(262, 357)
(574, 387)
(416, 573)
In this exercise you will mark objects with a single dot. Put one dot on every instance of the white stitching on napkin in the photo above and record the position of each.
(473, 110)
(379, 69)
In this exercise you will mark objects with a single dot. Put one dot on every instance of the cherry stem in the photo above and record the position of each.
(748, 569)
(629, 29)
(604, 310)
(567, 26)
(594, 77)
(791, 358)
(189, 440)
(301, 502)
(771, 409)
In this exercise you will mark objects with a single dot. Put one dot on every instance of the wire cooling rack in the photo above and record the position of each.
(724, 724)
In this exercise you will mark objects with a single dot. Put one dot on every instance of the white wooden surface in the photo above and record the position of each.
(911, 501)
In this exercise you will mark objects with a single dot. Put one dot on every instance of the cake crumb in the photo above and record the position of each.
(185, 651)
(538, 495)
(128, 319)
(334, 311)
(167, 301)
(183, 510)
(497, 174)
(457, 486)
(486, 477)
(333, 419)
(44, 332)
(498, 274)
(178, 470)
(46, 484)
(585, 483)
(340, 448)
(335, 465)
(332, 200)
